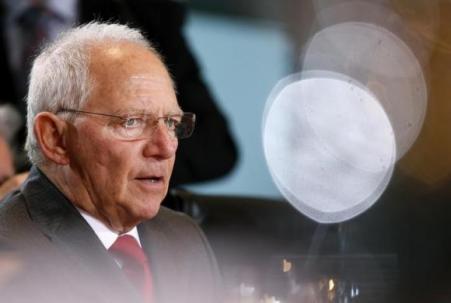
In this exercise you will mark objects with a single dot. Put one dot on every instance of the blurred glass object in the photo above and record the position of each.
(425, 27)
(329, 145)
(11, 265)
(384, 64)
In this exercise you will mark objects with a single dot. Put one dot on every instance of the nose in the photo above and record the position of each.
(161, 144)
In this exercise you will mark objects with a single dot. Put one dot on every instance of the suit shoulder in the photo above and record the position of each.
(15, 222)
(12, 208)
(175, 220)
(178, 228)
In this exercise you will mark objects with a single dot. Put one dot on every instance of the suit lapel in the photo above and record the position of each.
(164, 271)
(185, 270)
(83, 256)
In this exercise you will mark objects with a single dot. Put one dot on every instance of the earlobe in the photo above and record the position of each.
(50, 132)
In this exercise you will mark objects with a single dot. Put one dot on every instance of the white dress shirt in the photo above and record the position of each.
(106, 235)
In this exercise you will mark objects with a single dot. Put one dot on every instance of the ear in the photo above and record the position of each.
(50, 132)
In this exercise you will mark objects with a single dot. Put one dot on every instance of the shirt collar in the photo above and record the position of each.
(106, 235)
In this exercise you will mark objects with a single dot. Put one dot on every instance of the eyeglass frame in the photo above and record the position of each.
(191, 116)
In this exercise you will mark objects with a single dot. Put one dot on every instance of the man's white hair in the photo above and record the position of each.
(60, 76)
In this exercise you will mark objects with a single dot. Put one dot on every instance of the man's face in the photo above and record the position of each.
(123, 181)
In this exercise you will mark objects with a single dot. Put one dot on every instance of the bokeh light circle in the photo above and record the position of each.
(384, 64)
(329, 145)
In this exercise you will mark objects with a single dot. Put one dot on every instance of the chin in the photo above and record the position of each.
(148, 210)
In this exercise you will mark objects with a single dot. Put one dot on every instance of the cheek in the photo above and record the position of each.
(105, 162)
(110, 172)
(115, 159)
(171, 163)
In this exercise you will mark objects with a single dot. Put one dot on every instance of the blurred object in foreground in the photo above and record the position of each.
(384, 64)
(10, 265)
(424, 27)
(329, 145)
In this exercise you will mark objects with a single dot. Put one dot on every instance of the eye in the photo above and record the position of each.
(133, 122)
(172, 122)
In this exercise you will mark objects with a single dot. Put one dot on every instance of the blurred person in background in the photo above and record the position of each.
(10, 122)
(211, 152)
(103, 129)
(6, 162)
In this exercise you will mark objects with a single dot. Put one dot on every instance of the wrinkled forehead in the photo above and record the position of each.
(128, 77)
(149, 93)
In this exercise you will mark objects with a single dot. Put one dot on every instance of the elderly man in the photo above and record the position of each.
(103, 129)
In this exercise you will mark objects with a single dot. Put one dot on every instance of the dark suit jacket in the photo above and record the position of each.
(210, 152)
(62, 260)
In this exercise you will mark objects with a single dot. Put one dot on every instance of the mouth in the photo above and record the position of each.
(151, 179)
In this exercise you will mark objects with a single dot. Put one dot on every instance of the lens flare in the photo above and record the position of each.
(384, 64)
(329, 145)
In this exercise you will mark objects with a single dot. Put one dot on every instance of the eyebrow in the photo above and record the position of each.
(129, 112)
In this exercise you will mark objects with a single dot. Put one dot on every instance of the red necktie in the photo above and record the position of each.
(134, 263)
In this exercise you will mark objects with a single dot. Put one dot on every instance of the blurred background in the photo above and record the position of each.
(244, 50)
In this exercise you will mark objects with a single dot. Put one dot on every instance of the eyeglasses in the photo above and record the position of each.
(139, 126)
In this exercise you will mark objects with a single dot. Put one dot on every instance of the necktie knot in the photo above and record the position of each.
(127, 247)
